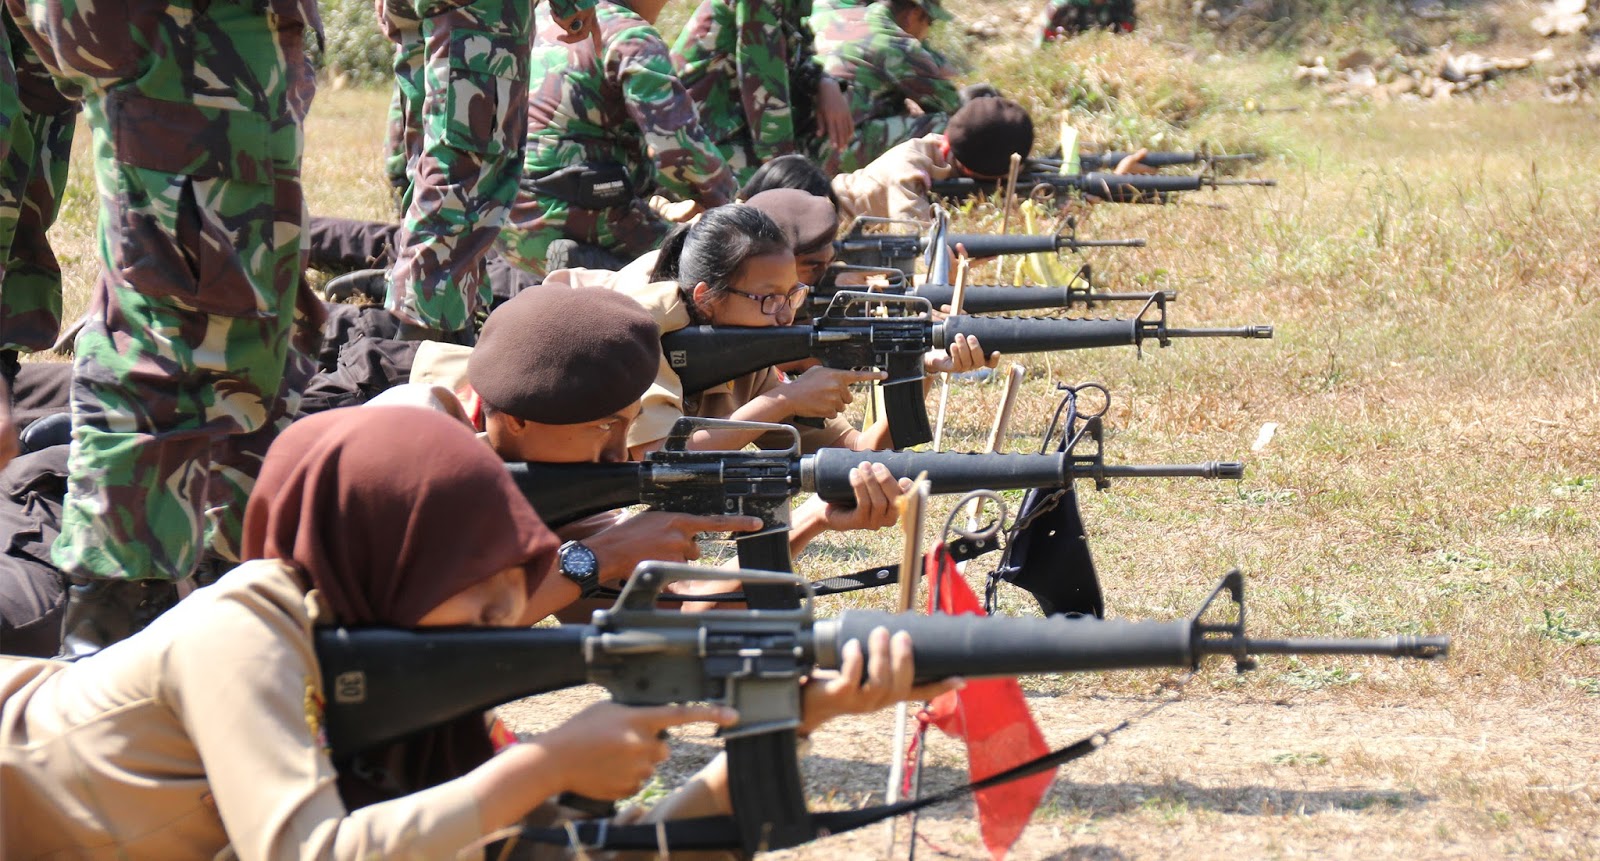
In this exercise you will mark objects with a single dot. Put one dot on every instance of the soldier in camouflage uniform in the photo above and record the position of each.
(463, 168)
(877, 50)
(752, 68)
(621, 107)
(181, 378)
(36, 128)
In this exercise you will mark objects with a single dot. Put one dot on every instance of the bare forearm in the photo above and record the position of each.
(513, 783)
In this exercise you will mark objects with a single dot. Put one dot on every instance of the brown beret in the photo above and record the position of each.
(563, 356)
(808, 220)
(986, 131)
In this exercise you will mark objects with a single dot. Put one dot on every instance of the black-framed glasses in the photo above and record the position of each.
(771, 302)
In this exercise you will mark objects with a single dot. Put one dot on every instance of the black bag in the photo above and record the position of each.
(591, 185)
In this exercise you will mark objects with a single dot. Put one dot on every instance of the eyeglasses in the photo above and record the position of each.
(771, 302)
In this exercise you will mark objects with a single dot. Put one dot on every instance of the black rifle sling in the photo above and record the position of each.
(723, 833)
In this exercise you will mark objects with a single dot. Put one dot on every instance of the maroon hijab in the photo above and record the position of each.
(391, 510)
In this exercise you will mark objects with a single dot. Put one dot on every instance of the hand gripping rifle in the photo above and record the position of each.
(1113, 187)
(761, 483)
(902, 250)
(891, 334)
(383, 684)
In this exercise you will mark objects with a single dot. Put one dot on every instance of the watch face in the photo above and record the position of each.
(578, 561)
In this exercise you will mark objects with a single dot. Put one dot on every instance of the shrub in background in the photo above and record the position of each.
(354, 50)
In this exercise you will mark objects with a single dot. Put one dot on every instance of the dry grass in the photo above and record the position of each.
(1433, 277)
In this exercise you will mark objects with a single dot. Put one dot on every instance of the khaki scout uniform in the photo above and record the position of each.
(213, 715)
(895, 185)
(664, 402)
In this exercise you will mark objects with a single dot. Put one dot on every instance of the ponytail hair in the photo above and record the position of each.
(714, 249)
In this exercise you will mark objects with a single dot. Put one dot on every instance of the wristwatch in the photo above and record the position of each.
(578, 564)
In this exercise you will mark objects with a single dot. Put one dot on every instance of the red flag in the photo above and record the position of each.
(993, 718)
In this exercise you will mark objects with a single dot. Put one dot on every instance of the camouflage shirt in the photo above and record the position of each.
(751, 67)
(883, 64)
(625, 106)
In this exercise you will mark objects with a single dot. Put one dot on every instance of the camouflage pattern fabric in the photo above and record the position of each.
(752, 68)
(473, 117)
(36, 129)
(624, 106)
(404, 142)
(884, 67)
(183, 372)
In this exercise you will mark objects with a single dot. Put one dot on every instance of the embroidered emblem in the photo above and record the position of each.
(314, 709)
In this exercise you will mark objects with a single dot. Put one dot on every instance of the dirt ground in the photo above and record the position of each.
(1217, 775)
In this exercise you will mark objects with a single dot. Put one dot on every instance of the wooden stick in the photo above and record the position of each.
(1011, 191)
(1002, 416)
(912, 506)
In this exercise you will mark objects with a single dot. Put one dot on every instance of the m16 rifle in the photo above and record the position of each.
(1108, 161)
(891, 334)
(902, 250)
(761, 483)
(383, 685)
(980, 298)
(1113, 187)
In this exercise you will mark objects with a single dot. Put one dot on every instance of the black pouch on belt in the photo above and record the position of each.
(592, 185)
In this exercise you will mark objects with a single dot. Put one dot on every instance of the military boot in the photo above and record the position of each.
(372, 284)
(10, 366)
(102, 611)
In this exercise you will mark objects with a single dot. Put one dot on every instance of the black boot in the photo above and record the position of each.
(10, 366)
(101, 612)
(370, 283)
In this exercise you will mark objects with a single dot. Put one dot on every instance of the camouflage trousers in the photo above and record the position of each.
(183, 371)
(876, 136)
(626, 231)
(473, 117)
(404, 143)
(36, 129)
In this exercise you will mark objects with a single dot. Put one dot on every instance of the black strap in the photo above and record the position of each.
(722, 832)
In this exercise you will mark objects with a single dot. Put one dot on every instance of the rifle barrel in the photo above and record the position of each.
(1421, 648)
(1258, 332)
(1209, 469)
(1249, 181)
